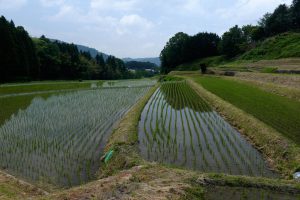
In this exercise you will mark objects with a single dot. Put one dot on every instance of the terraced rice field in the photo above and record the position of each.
(60, 139)
(178, 127)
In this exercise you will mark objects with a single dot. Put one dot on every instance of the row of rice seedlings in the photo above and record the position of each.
(229, 152)
(219, 147)
(60, 140)
(247, 160)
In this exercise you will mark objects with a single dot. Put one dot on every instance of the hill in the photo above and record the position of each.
(83, 48)
(278, 52)
(140, 65)
(92, 51)
(155, 60)
(285, 45)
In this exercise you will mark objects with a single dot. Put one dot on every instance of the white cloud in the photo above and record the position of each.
(49, 3)
(135, 20)
(192, 5)
(12, 4)
(123, 5)
(248, 10)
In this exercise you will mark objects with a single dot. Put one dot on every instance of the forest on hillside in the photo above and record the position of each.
(237, 40)
(23, 58)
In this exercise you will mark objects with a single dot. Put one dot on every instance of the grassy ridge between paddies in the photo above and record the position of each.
(282, 153)
(124, 139)
(12, 188)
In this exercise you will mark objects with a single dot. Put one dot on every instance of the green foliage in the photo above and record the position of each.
(279, 21)
(140, 65)
(195, 192)
(195, 65)
(295, 13)
(169, 78)
(281, 46)
(24, 59)
(232, 42)
(278, 112)
(269, 70)
(18, 60)
(182, 48)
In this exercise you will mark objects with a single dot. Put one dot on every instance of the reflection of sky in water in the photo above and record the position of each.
(181, 129)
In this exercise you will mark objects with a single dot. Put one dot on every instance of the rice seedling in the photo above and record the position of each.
(60, 139)
(187, 132)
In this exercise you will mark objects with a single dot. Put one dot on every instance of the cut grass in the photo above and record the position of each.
(278, 112)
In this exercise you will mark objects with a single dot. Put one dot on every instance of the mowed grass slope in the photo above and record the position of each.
(279, 112)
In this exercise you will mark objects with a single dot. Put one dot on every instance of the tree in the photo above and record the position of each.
(184, 48)
(18, 60)
(173, 53)
(295, 14)
(233, 42)
(279, 21)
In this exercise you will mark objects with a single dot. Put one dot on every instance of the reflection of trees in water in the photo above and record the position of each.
(180, 95)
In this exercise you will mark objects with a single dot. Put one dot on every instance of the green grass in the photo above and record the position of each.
(7, 192)
(169, 78)
(285, 45)
(39, 87)
(195, 65)
(278, 112)
(269, 69)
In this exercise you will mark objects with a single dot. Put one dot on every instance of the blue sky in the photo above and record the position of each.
(131, 28)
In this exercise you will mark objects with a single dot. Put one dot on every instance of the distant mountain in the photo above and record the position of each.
(151, 60)
(137, 65)
(92, 51)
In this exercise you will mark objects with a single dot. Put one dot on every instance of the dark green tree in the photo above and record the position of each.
(279, 21)
(295, 14)
(233, 42)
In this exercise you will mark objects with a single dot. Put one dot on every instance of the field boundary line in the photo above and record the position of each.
(23, 183)
(281, 153)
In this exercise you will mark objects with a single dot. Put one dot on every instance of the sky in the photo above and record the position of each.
(131, 28)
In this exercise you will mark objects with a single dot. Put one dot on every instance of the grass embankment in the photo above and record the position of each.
(11, 188)
(238, 103)
(124, 140)
(285, 45)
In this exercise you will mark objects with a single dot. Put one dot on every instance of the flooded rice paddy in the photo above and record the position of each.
(179, 128)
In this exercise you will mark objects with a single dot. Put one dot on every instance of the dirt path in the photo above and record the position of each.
(140, 182)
